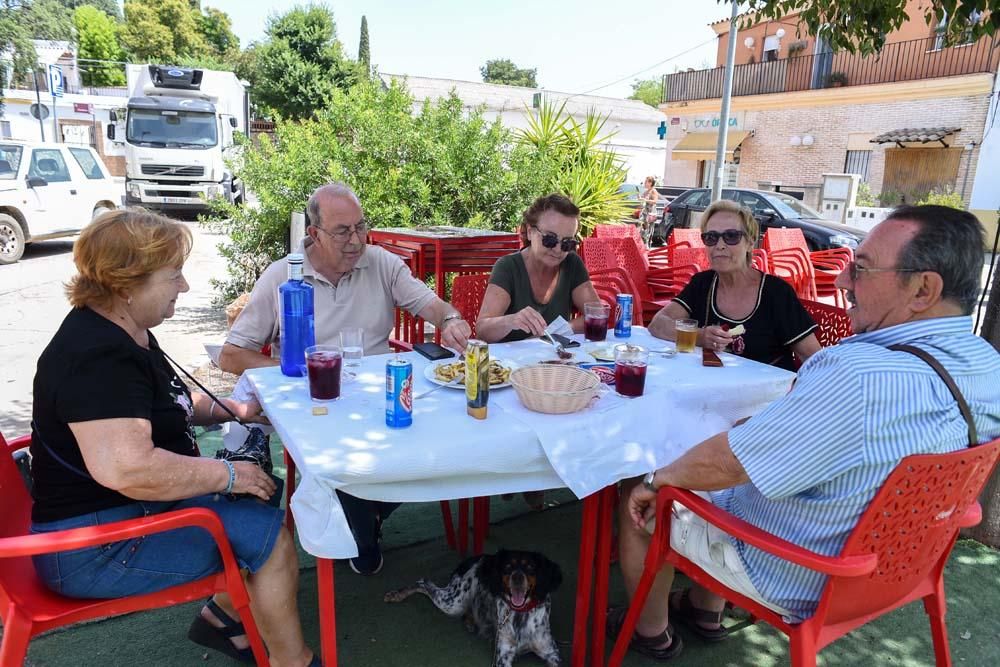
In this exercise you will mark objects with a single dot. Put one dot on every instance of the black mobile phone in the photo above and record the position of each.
(432, 351)
(566, 342)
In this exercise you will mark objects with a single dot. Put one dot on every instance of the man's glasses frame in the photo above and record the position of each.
(730, 236)
(551, 240)
(344, 235)
(853, 270)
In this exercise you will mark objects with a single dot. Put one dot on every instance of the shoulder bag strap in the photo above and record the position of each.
(203, 389)
(949, 381)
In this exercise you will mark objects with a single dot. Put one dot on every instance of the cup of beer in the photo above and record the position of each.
(687, 334)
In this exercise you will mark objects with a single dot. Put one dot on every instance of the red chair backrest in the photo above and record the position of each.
(631, 259)
(18, 579)
(834, 324)
(691, 236)
(598, 254)
(698, 257)
(624, 231)
(609, 283)
(910, 524)
(782, 238)
(760, 260)
(467, 296)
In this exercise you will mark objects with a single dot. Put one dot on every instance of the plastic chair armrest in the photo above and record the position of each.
(846, 566)
(397, 345)
(972, 517)
(78, 538)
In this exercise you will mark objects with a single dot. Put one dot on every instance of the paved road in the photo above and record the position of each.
(32, 306)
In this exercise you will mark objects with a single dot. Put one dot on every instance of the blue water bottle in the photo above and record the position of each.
(297, 326)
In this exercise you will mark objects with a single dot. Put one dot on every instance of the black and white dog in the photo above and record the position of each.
(505, 595)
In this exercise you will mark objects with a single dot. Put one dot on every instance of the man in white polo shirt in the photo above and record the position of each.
(355, 285)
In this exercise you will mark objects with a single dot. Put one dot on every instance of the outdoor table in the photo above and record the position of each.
(446, 454)
(440, 250)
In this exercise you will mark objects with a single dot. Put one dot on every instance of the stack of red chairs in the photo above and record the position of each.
(812, 273)
(655, 286)
(609, 283)
(658, 258)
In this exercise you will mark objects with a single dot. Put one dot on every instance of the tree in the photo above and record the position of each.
(217, 29)
(162, 31)
(648, 91)
(296, 70)
(862, 25)
(15, 40)
(506, 72)
(364, 50)
(441, 165)
(97, 35)
(109, 7)
(48, 19)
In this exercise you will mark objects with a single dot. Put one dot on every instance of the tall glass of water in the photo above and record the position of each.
(352, 344)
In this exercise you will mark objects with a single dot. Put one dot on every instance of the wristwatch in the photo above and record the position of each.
(449, 318)
(647, 481)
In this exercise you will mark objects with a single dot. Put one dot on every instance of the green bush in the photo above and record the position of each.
(943, 197)
(443, 165)
(865, 196)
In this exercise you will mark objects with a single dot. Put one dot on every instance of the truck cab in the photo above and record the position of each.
(178, 134)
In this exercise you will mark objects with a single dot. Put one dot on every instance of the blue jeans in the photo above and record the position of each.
(161, 560)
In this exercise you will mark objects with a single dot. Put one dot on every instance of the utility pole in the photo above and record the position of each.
(38, 103)
(727, 94)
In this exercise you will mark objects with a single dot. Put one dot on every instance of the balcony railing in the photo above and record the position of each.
(901, 61)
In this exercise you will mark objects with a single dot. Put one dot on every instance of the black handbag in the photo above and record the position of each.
(255, 449)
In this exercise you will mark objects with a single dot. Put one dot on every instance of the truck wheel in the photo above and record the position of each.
(11, 240)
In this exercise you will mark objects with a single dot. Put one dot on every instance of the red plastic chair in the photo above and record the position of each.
(609, 283)
(824, 265)
(895, 555)
(834, 324)
(467, 296)
(28, 607)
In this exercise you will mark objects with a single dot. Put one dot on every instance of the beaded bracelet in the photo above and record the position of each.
(232, 477)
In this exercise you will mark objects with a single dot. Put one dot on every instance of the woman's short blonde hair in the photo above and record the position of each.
(748, 223)
(119, 250)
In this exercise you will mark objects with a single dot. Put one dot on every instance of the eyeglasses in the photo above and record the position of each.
(730, 236)
(551, 240)
(343, 234)
(853, 270)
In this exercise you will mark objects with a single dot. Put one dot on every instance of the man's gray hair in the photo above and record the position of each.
(334, 189)
(949, 242)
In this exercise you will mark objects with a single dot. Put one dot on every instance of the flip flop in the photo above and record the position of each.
(651, 647)
(205, 634)
(685, 612)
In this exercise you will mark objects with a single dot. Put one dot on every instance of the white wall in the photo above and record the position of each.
(986, 186)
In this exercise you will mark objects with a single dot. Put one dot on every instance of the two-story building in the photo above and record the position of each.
(919, 116)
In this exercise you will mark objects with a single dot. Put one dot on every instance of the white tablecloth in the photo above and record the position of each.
(447, 454)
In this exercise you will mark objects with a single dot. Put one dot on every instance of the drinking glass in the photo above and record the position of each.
(352, 342)
(324, 362)
(595, 320)
(630, 370)
(687, 334)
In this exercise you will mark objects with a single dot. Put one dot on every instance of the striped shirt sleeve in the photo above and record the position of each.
(810, 436)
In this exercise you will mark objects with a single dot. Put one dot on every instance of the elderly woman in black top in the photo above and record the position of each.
(112, 439)
(733, 294)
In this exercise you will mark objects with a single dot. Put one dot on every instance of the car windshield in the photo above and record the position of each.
(10, 160)
(630, 190)
(789, 207)
(171, 129)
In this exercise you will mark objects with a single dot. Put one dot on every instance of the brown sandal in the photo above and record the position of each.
(685, 612)
(651, 647)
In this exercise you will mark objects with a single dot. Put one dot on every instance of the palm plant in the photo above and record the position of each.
(579, 163)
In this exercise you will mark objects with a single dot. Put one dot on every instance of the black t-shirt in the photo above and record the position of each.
(92, 369)
(511, 274)
(777, 322)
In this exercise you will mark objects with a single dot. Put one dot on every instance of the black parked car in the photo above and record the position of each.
(772, 209)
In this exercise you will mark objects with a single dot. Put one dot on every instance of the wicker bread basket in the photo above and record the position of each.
(554, 389)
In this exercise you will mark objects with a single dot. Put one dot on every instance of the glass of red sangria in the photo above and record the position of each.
(595, 320)
(630, 370)
(324, 364)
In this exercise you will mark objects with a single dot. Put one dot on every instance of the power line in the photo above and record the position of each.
(646, 69)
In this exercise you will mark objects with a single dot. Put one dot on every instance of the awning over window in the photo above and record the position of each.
(923, 135)
(701, 145)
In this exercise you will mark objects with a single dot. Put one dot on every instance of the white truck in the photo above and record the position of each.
(178, 131)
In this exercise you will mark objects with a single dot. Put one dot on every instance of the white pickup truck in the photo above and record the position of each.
(49, 191)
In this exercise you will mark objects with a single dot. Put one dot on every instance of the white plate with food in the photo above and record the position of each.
(446, 372)
(602, 351)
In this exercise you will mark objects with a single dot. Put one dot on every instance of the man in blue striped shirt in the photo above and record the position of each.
(806, 467)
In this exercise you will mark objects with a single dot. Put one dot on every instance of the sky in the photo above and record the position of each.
(577, 46)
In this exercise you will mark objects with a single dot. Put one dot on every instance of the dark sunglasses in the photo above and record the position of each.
(730, 236)
(551, 240)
